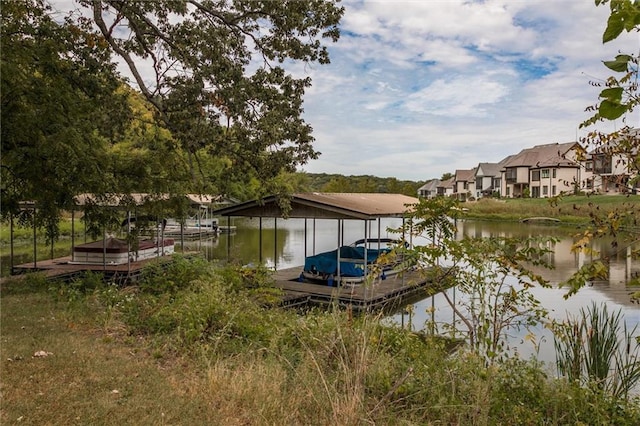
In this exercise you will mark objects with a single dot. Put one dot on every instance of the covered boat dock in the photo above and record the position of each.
(369, 208)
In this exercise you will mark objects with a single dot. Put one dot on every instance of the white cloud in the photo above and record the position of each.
(420, 88)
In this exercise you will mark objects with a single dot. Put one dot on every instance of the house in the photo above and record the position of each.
(615, 164)
(544, 171)
(464, 184)
(488, 178)
(429, 189)
(445, 187)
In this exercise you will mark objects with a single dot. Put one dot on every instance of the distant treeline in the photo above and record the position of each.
(323, 182)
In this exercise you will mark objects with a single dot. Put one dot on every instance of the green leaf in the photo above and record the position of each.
(611, 110)
(613, 94)
(620, 64)
(615, 25)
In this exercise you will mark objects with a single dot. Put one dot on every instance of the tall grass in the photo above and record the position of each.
(207, 351)
(571, 209)
(597, 349)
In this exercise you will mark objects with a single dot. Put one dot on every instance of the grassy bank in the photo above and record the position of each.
(574, 209)
(196, 344)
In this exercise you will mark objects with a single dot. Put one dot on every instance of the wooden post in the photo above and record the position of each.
(73, 231)
(11, 243)
(275, 243)
(259, 240)
(35, 248)
(229, 238)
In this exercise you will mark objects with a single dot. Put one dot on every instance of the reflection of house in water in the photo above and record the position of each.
(564, 261)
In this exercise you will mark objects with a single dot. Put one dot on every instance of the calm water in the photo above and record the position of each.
(283, 246)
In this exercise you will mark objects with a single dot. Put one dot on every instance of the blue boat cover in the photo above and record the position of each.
(327, 262)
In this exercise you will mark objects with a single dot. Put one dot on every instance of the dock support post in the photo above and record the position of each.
(275, 243)
(259, 240)
(35, 248)
(73, 231)
(229, 239)
(10, 243)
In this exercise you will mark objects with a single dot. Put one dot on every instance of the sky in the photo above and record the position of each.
(419, 88)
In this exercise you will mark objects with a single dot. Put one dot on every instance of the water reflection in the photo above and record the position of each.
(286, 243)
(614, 291)
(283, 246)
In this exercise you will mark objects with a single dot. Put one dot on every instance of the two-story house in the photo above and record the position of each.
(429, 189)
(488, 178)
(464, 184)
(445, 187)
(615, 164)
(544, 171)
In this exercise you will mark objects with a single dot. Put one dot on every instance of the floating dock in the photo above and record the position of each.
(191, 234)
(61, 269)
(387, 294)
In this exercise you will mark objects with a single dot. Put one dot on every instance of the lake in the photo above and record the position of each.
(283, 246)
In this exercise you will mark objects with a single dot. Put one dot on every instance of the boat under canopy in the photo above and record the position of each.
(114, 251)
(353, 263)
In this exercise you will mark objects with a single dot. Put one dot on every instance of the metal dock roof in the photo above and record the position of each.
(324, 205)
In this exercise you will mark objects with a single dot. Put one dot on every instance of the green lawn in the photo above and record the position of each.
(574, 209)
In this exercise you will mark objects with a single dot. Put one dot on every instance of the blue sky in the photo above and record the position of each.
(419, 88)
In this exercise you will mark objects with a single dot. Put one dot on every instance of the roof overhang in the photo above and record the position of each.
(138, 199)
(320, 205)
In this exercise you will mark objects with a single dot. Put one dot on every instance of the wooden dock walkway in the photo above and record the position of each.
(60, 269)
(387, 294)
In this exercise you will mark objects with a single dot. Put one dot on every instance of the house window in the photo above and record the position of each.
(465, 185)
(511, 175)
(602, 164)
(535, 175)
(553, 173)
(588, 166)
(590, 183)
(553, 190)
(535, 192)
(545, 190)
(508, 191)
(479, 182)
(544, 173)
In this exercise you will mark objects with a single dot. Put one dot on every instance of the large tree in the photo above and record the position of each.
(215, 72)
(60, 111)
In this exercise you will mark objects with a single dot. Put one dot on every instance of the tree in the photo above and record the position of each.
(60, 111)
(619, 97)
(212, 72)
(217, 80)
(446, 176)
(492, 276)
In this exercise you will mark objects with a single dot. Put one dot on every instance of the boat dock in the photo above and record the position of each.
(191, 234)
(387, 294)
(61, 269)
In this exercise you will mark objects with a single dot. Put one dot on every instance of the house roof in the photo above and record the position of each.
(543, 156)
(612, 147)
(446, 183)
(489, 169)
(432, 185)
(465, 175)
(325, 206)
